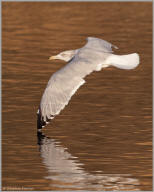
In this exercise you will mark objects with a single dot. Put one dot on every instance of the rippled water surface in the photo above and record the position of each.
(103, 139)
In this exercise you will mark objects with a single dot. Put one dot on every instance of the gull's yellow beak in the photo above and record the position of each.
(52, 58)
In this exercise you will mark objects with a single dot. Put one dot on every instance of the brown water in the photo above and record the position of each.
(103, 139)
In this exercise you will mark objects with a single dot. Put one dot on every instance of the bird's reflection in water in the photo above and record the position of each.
(65, 171)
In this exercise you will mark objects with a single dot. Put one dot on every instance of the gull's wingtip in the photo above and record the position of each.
(114, 46)
(41, 121)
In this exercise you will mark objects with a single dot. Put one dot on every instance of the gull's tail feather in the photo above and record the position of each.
(124, 61)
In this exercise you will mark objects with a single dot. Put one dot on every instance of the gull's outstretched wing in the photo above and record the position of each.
(57, 94)
(100, 44)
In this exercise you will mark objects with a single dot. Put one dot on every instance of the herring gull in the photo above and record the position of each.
(95, 55)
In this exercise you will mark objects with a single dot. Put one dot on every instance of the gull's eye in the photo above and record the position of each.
(63, 54)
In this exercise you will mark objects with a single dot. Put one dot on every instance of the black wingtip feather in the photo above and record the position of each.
(40, 120)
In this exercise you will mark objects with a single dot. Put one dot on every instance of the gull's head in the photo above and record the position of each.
(65, 56)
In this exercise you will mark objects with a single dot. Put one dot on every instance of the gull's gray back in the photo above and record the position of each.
(99, 44)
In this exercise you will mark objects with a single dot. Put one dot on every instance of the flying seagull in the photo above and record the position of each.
(93, 56)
